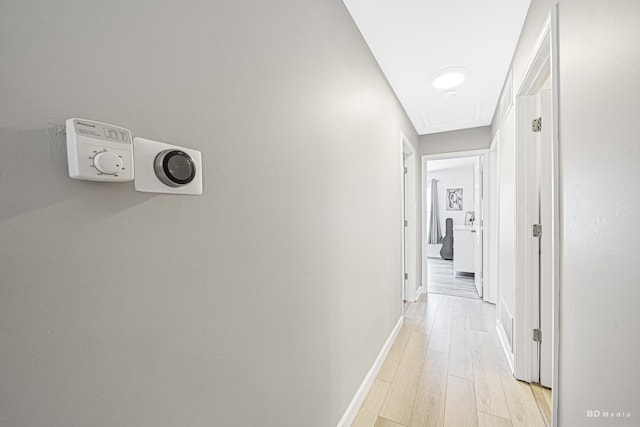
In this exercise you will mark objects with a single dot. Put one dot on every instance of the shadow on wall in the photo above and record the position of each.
(34, 175)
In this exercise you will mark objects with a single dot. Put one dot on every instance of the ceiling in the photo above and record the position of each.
(414, 39)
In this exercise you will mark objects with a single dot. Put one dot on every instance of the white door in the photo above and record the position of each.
(541, 254)
(478, 225)
(409, 203)
(405, 210)
(545, 182)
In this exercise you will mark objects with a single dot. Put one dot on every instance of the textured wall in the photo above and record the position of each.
(600, 237)
(263, 302)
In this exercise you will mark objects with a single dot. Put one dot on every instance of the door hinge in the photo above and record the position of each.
(406, 223)
(537, 230)
(537, 335)
(406, 276)
(536, 125)
(405, 170)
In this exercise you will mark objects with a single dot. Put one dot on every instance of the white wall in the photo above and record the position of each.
(459, 140)
(459, 177)
(507, 214)
(263, 302)
(600, 236)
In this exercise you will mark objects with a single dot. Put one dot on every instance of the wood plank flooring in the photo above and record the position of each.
(446, 369)
(441, 280)
(543, 399)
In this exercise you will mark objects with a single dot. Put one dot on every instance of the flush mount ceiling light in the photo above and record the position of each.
(449, 78)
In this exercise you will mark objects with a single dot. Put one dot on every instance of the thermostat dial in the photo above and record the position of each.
(107, 163)
(174, 168)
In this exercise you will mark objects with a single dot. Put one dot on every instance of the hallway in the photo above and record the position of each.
(446, 368)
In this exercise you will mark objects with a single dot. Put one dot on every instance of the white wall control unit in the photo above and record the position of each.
(98, 151)
(166, 168)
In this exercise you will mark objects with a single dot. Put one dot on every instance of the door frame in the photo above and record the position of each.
(479, 237)
(409, 212)
(491, 275)
(484, 153)
(543, 64)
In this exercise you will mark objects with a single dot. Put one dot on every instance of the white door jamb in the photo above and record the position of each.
(542, 65)
(410, 246)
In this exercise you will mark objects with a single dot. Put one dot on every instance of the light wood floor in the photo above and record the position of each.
(446, 368)
(441, 280)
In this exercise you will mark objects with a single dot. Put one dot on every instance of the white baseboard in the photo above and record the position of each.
(505, 345)
(356, 402)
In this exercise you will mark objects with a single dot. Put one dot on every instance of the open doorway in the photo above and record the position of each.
(454, 243)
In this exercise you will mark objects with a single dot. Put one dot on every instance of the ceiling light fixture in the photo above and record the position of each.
(449, 78)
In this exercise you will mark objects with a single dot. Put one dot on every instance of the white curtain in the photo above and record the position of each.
(435, 233)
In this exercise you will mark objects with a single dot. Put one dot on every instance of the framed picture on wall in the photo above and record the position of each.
(469, 218)
(454, 199)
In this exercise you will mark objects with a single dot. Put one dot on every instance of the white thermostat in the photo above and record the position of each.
(167, 168)
(99, 151)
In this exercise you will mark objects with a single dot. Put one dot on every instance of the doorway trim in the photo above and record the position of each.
(409, 213)
(484, 153)
(491, 275)
(543, 64)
